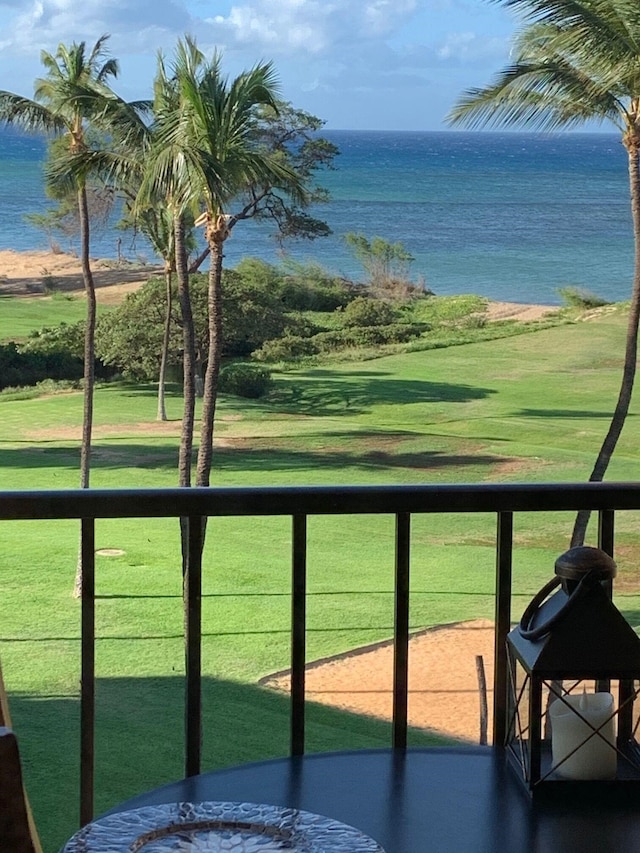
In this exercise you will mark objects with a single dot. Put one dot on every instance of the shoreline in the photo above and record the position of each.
(26, 274)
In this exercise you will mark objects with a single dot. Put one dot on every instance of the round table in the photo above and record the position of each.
(422, 800)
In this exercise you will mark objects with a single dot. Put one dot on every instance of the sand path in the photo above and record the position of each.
(443, 679)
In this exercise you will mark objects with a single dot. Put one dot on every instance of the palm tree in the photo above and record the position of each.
(157, 225)
(166, 180)
(73, 94)
(160, 218)
(206, 150)
(155, 221)
(575, 61)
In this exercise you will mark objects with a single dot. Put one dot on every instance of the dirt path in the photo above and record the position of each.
(443, 680)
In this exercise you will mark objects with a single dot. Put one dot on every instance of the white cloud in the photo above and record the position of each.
(328, 53)
(314, 26)
(470, 47)
(45, 23)
(381, 16)
(281, 26)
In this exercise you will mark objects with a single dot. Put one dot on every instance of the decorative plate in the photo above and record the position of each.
(218, 827)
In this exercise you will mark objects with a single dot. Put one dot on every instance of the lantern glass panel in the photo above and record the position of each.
(580, 729)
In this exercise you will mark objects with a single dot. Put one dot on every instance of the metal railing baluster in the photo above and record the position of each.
(87, 668)
(606, 534)
(504, 568)
(298, 632)
(401, 630)
(193, 644)
(606, 530)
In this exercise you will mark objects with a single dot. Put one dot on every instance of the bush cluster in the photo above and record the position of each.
(19, 368)
(366, 336)
(272, 313)
(295, 347)
(245, 380)
(304, 288)
(287, 348)
(581, 297)
(364, 311)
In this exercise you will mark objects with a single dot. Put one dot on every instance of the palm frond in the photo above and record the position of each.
(28, 115)
(574, 63)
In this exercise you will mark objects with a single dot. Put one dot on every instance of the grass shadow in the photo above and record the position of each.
(366, 451)
(324, 392)
(580, 414)
(139, 740)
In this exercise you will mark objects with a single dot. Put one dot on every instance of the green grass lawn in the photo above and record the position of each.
(19, 317)
(527, 408)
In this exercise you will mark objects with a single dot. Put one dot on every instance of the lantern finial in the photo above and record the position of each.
(584, 560)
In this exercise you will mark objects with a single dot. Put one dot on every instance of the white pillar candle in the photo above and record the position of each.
(594, 758)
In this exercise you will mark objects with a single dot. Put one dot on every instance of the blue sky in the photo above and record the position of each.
(357, 64)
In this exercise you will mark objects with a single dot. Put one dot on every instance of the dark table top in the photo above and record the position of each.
(422, 800)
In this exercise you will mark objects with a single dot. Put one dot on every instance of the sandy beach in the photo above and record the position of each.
(26, 274)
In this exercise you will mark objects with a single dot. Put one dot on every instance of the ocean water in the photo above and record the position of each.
(506, 215)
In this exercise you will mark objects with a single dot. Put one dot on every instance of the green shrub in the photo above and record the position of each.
(364, 336)
(580, 297)
(62, 347)
(306, 294)
(47, 386)
(287, 348)
(19, 368)
(364, 311)
(67, 338)
(298, 287)
(130, 337)
(245, 380)
(474, 321)
(251, 314)
(301, 326)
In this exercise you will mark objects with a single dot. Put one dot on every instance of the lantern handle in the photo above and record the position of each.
(529, 633)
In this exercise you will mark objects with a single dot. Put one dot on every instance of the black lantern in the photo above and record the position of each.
(574, 679)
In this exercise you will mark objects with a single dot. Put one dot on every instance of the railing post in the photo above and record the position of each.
(192, 593)
(298, 632)
(401, 631)
(504, 566)
(606, 537)
(87, 668)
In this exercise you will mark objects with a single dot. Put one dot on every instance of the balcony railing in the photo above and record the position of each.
(193, 505)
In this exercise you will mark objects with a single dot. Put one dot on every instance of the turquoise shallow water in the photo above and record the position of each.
(509, 216)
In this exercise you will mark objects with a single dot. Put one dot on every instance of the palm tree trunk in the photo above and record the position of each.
(189, 347)
(162, 375)
(89, 342)
(632, 144)
(89, 362)
(188, 381)
(210, 394)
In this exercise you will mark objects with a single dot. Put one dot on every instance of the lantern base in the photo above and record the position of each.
(550, 783)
